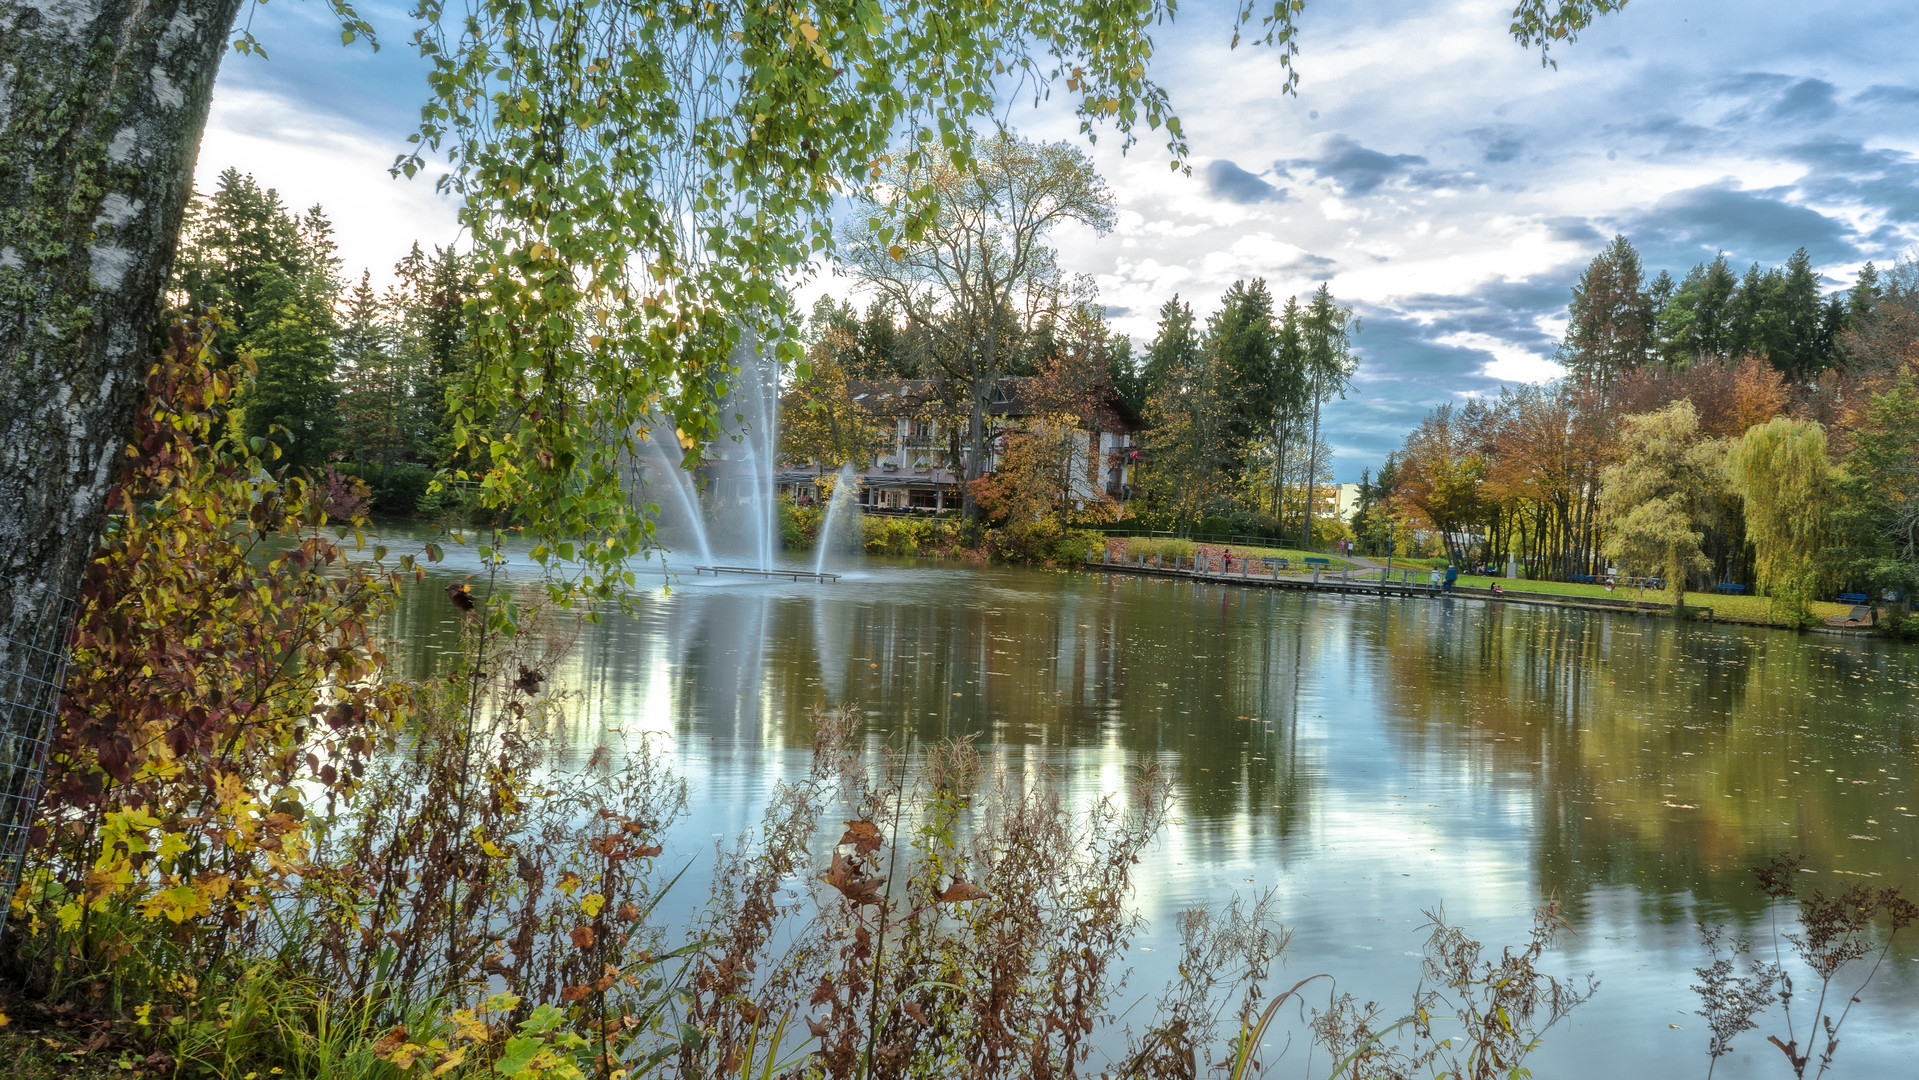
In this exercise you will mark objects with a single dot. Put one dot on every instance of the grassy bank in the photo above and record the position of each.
(1742, 608)
(1168, 548)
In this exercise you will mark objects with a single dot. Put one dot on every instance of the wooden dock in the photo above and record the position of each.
(754, 571)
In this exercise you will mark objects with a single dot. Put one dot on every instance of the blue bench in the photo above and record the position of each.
(1311, 561)
(1582, 579)
(1270, 562)
(1729, 588)
(1854, 598)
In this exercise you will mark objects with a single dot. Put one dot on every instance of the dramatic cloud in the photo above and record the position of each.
(1443, 182)
(1808, 99)
(1749, 225)
(1234, 184)
(1353, 167)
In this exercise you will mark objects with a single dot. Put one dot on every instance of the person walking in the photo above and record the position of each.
(1452, 575)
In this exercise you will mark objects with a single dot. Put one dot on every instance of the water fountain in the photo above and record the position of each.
(841, 529)
(729, 520)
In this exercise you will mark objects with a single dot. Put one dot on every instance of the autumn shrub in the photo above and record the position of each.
(224, 683)
(799, 525)
(887, 534)
(1836, 934)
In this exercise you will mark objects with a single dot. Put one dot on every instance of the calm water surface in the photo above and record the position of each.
(1367, 759)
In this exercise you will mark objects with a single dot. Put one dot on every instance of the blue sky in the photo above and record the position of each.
(1443, 182)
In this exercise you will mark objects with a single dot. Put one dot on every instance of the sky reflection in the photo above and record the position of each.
(1370, 760)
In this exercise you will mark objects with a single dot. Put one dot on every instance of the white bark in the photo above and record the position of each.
(101, 107)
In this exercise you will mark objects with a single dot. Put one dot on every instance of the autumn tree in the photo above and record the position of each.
(1442, 468)
(819, 421)
(1668, 485)
(979, 271)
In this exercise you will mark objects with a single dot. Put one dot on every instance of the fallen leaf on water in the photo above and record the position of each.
(842, 875)
(863, 835)
(962, 889)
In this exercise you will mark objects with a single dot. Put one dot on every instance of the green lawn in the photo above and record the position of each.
(1757, 608)
(1167, 547)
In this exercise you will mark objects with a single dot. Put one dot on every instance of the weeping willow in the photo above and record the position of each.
(1781, 471)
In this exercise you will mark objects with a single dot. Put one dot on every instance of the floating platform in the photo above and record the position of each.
(754, 571)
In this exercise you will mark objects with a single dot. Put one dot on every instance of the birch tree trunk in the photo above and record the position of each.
(101, 107)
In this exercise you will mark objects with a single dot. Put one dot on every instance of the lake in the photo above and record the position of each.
(1369, 759)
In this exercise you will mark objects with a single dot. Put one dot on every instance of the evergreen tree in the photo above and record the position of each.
(1750, 327)
(1327, 333)
(1865, 292)
(1185, 475)
(1242, 335)
(376, 394)
(1610, 329)
(1174, 349)
(881, 350)
(1693, 325)
(435, 346)
(271, 276)
(1797, 321)
(1125, 372)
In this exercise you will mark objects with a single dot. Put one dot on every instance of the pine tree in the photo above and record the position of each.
(1610, 329)
(1798, 321)
(1243, 336)
(1175, 348)
(1693, 324)
(1330, 364)
(270, 275)
(433, 346)
(375, 393)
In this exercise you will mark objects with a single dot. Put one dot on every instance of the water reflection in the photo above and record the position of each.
(1368, 758)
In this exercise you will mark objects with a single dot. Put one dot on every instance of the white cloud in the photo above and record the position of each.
(1509, 363)
(1428, 164)
(313, 157)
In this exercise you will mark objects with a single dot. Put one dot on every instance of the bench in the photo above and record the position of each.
(1582, 579)
(1854, 598)
(1729, 588)
(1270, 562)
(1311, 561)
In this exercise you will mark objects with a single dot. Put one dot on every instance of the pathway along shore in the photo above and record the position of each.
(1376, 581)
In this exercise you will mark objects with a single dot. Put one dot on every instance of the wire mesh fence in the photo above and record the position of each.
(33, 663)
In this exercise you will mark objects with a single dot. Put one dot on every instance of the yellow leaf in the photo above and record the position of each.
(896, 251)
(492, 849)
(450, 1061)
(591, 903)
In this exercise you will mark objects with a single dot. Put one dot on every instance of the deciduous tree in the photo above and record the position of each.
(1779, 470)
(1656, 501)
(978, 272)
